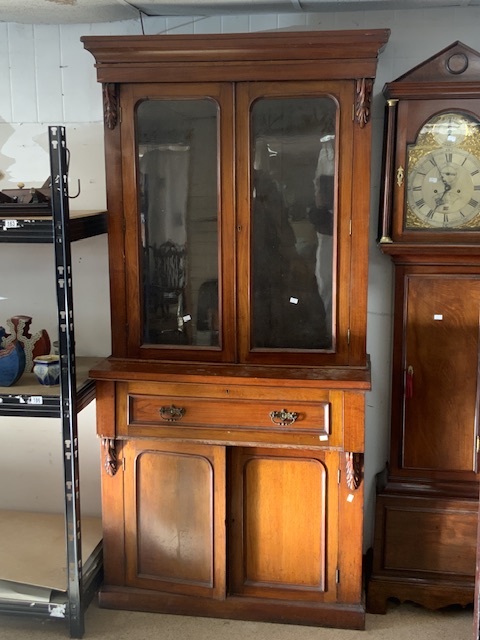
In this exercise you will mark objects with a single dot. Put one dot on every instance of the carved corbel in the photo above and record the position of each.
(354, 469)
(110, 104)
(363, 100)
(110, 462)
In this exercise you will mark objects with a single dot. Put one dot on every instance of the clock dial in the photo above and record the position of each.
(443, 177)
(444, 188)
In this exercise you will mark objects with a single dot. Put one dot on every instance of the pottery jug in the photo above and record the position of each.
(34, 345)
(12, 361)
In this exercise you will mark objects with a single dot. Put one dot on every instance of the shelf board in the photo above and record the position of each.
(33, 550)
(19, 229)
(29, 398)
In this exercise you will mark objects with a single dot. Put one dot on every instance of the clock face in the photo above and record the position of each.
(443, 179)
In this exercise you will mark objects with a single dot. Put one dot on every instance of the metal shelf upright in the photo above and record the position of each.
(83, 578)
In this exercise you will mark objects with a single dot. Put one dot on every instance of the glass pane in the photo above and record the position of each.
(177, 155)
(293, 208)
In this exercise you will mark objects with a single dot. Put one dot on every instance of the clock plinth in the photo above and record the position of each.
(425, 546)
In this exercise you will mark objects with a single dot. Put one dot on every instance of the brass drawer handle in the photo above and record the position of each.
(171, 413)
(283, 417)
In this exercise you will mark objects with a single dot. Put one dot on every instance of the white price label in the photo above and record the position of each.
(10, 224)
(35, 400)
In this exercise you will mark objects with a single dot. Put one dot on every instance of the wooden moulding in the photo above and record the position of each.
(351, 378)
(277, 56)
(342, 616)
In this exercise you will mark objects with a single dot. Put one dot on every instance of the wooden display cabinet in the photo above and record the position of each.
(231, 411)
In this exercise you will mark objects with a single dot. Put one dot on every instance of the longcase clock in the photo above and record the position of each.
(427, 499)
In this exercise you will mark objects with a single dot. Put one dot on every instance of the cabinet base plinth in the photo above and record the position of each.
(428, 595)
(341, 616)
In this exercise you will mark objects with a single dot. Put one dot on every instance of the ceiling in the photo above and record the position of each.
(86, 11)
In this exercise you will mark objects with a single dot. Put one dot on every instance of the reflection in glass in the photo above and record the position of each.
(177, 161)
(293, 142)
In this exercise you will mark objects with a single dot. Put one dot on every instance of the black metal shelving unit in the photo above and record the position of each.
(75, 392)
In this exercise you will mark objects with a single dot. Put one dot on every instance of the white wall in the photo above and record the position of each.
(48, 78)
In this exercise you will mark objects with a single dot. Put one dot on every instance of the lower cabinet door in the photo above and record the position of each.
(175, 517)
(267, 518)
(283, 524)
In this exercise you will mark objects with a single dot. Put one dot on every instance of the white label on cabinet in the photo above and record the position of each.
(323, 438)
(350, 497)
(294, 300)
(35, 400)
(438, 316)
(187, 318)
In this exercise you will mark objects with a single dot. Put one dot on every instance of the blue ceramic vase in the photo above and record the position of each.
(47, 369)
(12, 361)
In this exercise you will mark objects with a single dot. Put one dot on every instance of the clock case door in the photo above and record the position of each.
(435, 378)
(446, 83)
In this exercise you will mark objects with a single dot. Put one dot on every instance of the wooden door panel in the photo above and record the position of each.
(442, 328)
(272, 550)
(176, 526)
(279, 524)
(175, 512)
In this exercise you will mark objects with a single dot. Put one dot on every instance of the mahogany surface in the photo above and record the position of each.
(232, 481)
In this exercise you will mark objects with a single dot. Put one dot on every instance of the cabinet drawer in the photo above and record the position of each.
(244, 420)
(247, 414)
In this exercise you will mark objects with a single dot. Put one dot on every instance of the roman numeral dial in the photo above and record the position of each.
(443, 189)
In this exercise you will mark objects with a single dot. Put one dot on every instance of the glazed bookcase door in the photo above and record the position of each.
(177, 176)
(286, 212)
(294, 208)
